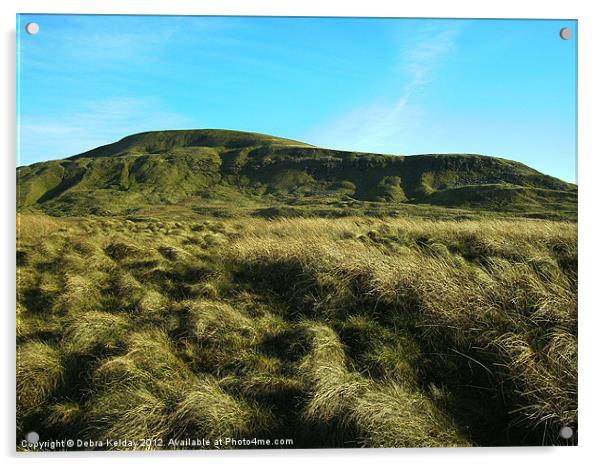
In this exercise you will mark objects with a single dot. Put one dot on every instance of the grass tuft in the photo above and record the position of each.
(40, 372)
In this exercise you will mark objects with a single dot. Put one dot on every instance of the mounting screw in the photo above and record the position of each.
(566, 33)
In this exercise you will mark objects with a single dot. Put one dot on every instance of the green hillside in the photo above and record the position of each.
(204, 169)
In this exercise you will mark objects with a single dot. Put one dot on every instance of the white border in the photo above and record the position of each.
(590, 189)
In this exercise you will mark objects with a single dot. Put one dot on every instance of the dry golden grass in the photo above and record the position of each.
(371, 331)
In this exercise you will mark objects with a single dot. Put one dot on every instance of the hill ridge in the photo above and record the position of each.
(208, 166)
(191, 136)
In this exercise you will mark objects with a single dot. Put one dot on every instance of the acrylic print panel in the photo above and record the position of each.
(226, 239)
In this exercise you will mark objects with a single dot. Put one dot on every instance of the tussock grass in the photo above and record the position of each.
(40, 371)
(354, 331)
(149, 392)
(207, 411)
(33, 226)
(152, 302)
(119, 250)
(220, 323)
(151, 356)
(136, 413)
(482, 299)
(64, 414)
(336, 388)
(386, 415)
(392, 416)
(79, 293)
(138, 391)
(95, 330)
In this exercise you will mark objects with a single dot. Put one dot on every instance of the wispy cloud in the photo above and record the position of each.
(96, 123)
(421, 60)
(100, 75)
(381, 125)
(94, 48)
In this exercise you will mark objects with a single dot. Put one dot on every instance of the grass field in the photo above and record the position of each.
(332, 332)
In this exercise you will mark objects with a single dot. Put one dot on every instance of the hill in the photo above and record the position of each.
(201, 169)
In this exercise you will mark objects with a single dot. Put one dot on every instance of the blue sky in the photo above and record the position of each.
(400, 86)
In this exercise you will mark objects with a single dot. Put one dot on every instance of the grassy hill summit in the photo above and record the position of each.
(209, 168)
(162, 141)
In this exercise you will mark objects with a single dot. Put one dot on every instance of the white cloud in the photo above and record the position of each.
(95, 124)
(381, 126)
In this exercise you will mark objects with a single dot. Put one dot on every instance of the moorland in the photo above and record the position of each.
(219, 284)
